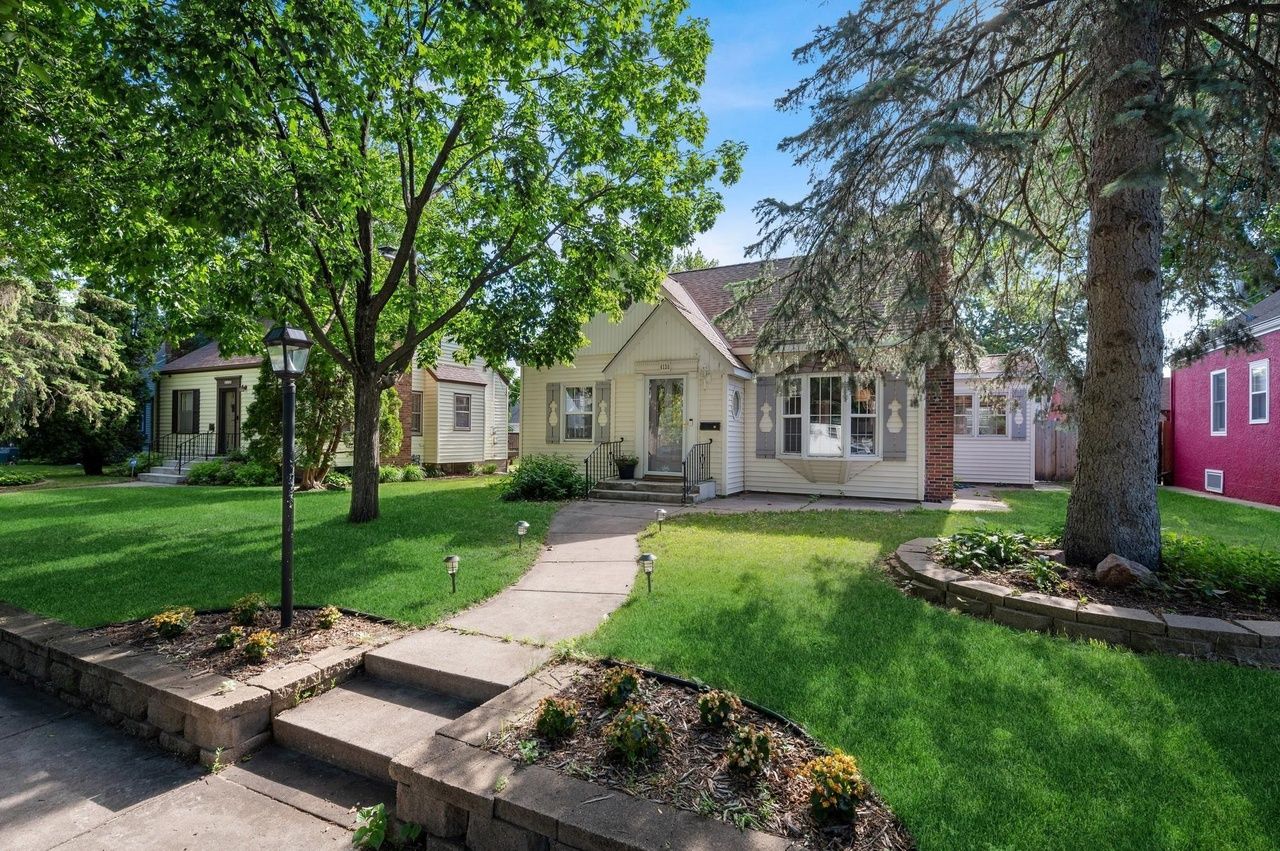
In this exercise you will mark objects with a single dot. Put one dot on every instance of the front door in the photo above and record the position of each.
(666, 425)
(228, 420)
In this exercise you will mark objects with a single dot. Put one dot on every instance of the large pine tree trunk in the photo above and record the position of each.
(364, 451)
(1113, 503)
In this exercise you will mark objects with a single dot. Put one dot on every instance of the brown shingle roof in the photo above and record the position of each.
(208, 357)
(710, 289)
(457, 374)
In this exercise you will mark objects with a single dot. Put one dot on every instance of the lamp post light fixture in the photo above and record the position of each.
(661, 514)
(522, 529)
(451, 564)
(646, 561)
(287, 349)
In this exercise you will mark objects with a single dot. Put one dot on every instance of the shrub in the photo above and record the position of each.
(433, 471)
(204, 473)
(245, 611)
(985, 549)
(750, 749)
(1206, 564)
(238, 455)
(544, 477)
(337, 481)
(557, 717)
(489, 469)
(413, 473)
(837, 786)
(636, 734)
(230, 638)
(18, 478)
(252, 474)
(390, 473)
(260, 645)
(173, 622)
(328, 617)
(618, 685)
(717, 708)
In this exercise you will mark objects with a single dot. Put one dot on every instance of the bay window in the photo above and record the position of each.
(829, 416)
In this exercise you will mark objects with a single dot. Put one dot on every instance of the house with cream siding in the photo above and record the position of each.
(993, 426)
(668, 384)
(454, 413)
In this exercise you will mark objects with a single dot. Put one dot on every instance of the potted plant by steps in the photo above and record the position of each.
(626, 466)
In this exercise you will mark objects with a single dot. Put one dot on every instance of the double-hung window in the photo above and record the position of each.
(415, 413)
(792, 413)
(462, 412)
(993, 419)
(825, 438)
(829, 416)
(185, 412)
(1218, 402)
(1259, 391)
(963, 414)
(579, 412)
(862, 418)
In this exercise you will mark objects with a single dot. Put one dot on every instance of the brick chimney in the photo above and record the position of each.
(939, 404)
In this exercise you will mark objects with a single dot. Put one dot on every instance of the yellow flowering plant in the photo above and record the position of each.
(173, 622)
(837, 786)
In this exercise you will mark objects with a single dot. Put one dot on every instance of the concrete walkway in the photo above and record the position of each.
(69, 782)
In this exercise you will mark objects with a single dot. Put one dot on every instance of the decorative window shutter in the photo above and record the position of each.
(553, 412)
(893, 418)
(196, 426)
(173, 411)
(1018, 424)
(603, 411)
(766, 417)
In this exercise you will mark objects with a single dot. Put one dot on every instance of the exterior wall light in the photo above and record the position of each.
(646, 561)
(451, 564)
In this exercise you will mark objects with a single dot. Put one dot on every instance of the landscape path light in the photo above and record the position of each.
(451, 565)
(287, 349)
(522, 529)
(646, 561)
(661, 514)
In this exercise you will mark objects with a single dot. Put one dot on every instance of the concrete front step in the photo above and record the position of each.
(362, 724)
(664, 497)
(473, 667)
(162, 477)
(675, 486)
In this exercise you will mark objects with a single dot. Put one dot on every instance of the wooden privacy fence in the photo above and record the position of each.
(1055, 452)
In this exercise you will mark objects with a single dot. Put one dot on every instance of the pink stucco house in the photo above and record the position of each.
(1225, 430)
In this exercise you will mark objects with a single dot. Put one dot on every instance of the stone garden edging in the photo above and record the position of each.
(193, 715)
(1248, 642)
(466, 796)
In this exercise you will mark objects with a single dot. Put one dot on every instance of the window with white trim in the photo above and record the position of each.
(579, 412)
(829, 416)
(415, 413)
(1260, 391)
(792, 411)
(1218, 402)
(993, 415)
(963, 424)
(462, 412)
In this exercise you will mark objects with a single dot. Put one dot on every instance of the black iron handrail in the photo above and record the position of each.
(185, 448)
(696, 468)
(199, 445)
(600, 463)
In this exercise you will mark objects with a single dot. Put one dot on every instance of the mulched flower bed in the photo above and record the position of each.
(1078, 582)
(693, 773)
(195, 649)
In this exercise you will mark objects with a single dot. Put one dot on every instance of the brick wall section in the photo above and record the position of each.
(939, 440)
(404, 389)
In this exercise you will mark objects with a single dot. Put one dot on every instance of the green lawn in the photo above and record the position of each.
(978, 736)
(96, 555)
(61, 476)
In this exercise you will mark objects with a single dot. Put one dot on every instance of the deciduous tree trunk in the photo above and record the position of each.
(364, 451)
(1113, 504)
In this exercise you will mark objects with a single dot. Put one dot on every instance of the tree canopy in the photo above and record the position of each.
(1031, 155)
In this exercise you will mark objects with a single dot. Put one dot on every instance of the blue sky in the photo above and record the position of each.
(750, 67)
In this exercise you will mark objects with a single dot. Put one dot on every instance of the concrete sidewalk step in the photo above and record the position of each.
(309, 785)
(675, 486)
(664, 497)
(362, 724)
(472, 667)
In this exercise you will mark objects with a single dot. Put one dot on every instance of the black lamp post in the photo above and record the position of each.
(288, 349)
